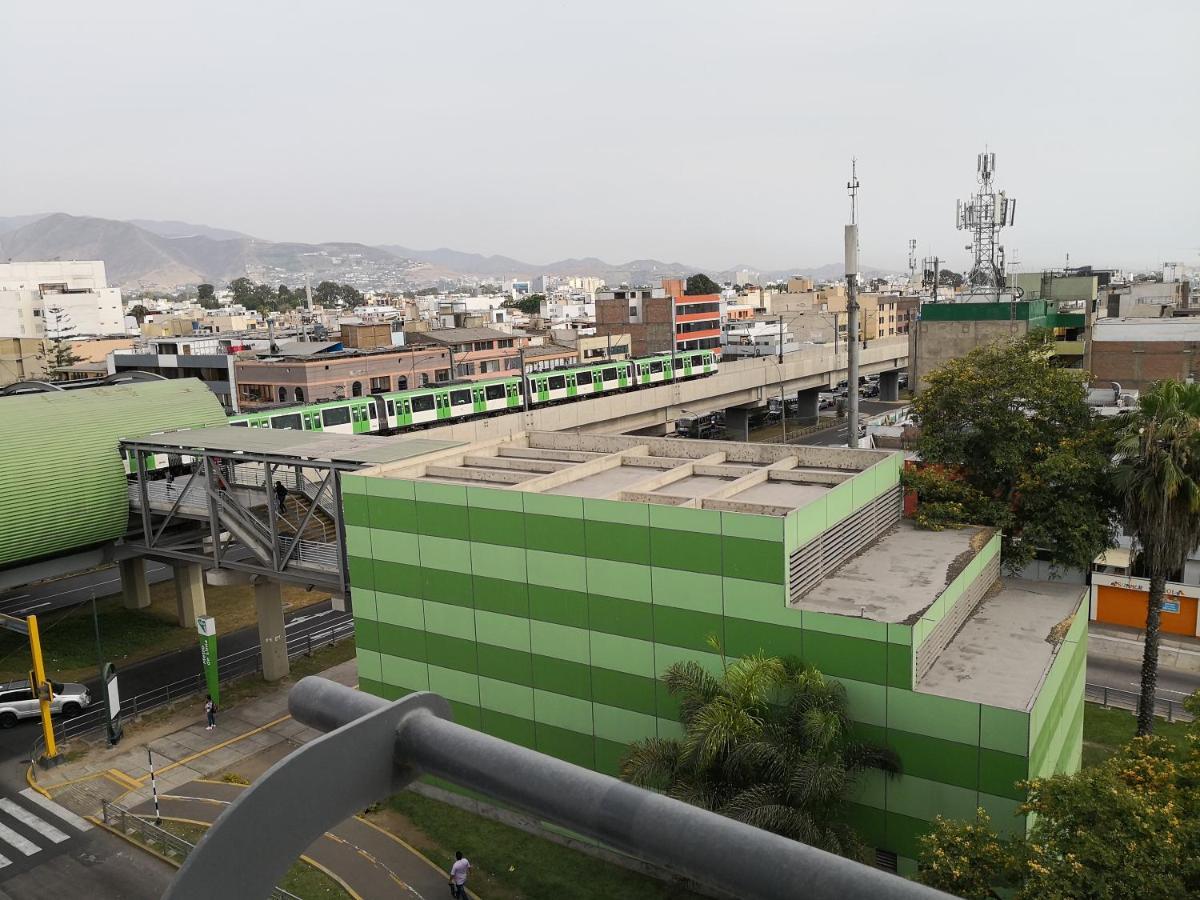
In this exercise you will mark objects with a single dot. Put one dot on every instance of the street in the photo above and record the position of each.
(74, 589)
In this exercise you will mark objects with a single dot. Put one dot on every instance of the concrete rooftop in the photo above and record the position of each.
(1006, 646)
(899, 577)
(764, 479)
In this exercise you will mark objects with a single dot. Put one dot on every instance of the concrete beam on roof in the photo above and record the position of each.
(810, 477)
(756, 509)
(661, 479)
(574, 456)
(725, 471)
(541, 466)
(660, 499)
(553, 480)
(450, 456)
(462, 473)
(758, 476)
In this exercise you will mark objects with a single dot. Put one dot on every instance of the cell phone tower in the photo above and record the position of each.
(984, 214)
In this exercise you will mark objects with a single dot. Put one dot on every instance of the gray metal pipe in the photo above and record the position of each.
(709, 848)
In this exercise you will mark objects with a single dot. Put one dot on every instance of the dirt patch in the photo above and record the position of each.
(1058, 633)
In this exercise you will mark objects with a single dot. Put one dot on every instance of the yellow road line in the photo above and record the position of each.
(120, 777)
(208, 750)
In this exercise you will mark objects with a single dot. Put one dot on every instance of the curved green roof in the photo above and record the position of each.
(62, 481)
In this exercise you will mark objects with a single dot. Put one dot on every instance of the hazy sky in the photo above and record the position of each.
(709, 133)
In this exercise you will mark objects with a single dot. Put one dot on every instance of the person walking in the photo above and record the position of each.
(458, 876)
(281, 497)
(210, 712)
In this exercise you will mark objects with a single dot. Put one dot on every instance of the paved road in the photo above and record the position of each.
(837, 435)
(1125, 675)
(72, 590)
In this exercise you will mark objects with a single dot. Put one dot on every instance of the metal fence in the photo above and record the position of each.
(1115, 698)
(229, 667)
(158, 839)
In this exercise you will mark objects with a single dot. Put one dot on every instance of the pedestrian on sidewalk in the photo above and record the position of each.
(458, 876)
(210, 712)
(281, 493)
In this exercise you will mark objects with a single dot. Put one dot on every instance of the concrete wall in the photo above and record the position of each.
(932, 343)
(1137, 364)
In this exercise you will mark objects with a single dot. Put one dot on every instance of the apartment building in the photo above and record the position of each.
(646, 315)
(475, 352)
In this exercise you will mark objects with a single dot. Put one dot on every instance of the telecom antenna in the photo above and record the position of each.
(912, 260)
(851, 235)
(984, 214)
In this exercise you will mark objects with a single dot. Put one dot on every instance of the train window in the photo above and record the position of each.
(337, 415)
(422, 403)
(609, 374)
(240, 424)
(583, 379)
(391, 407)
(494, 391)
(656, 366)
(557, 382)
(460, 398)
(372, 411)
(292, 421)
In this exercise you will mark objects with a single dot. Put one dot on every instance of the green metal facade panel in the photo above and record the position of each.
(805, 522)
(1033, 311)
(62, 480)
(547, 622)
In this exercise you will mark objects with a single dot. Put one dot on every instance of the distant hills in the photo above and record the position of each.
(150, 253)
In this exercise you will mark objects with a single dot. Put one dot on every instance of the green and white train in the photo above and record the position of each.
(435, 404)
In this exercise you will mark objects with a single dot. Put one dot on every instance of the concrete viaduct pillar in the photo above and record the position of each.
(268, 605)
(889, 385)
(737, 423)
(809, 402)
(189, 593)
(135, 589)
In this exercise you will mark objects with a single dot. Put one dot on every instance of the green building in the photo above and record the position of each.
(542, 582)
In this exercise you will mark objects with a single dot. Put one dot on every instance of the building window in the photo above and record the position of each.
(283, 395)
(402, 383)
(506, 343)
(381, 384)
(356, 389)
(424, 379)
(633, 312)
(482, 345)
(462, 370)
(299, 395)
(441, 375)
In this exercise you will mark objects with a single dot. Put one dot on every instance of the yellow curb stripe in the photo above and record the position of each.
(208, 750)
(127, 780)
(33, 783)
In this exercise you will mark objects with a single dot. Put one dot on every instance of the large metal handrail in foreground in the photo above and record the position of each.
(373, 748)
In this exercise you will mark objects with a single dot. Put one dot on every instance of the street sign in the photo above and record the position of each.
(112, 700)
(206, 627)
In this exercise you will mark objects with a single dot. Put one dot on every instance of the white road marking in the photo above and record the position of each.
(4, 861)
(25, 817)
(25, 845)
(55, 809)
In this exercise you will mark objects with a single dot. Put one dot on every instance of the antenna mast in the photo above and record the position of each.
(984, 214)
(852, 343)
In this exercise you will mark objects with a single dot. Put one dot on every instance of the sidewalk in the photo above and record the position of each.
(1175, 651)
(189, 762)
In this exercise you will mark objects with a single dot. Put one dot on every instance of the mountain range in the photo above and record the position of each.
(149, 253)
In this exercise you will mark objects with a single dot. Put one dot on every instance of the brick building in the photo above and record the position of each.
(1135, 352)
(476, 352)
(645, 314)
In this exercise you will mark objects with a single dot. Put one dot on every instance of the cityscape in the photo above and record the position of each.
(857, 556)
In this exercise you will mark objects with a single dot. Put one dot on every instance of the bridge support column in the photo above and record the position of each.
(809, 402)
(189, 593)
(737, 423)
(889, 385)
(268, 604)
(134, 587)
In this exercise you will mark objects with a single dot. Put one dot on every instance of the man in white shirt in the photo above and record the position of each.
(458, 876)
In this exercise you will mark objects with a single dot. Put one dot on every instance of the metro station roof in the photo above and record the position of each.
(313, 445)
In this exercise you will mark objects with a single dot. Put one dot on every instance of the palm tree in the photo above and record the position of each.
(1158, 481)
(768, 743)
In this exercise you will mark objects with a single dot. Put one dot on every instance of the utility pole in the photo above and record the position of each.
(852, 309)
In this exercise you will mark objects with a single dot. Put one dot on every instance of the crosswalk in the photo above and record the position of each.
(34, 824)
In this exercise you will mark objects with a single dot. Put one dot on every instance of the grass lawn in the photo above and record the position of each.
(127, 636)
(303, 880)
(1105, 730)
(510, 864)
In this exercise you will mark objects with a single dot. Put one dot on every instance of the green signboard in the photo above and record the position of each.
(207, 628)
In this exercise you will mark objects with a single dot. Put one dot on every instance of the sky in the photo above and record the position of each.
(715, 134)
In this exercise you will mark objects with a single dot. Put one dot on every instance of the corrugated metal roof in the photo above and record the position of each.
(317, 445)
(62, 481)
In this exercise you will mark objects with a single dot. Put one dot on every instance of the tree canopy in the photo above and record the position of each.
(1126, 829)
(530, 305)
(139, 312)
(701, 284)
(949, 278)
(766, 742)
(264, 298)
(1011, 443)
(1158, 481)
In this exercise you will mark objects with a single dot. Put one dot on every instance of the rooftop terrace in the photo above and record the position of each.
(732, 476)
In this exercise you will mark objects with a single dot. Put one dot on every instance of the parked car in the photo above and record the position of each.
(18, 701)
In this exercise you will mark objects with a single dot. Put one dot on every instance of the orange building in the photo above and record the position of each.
(1119, 598)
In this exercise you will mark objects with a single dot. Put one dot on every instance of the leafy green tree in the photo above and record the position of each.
(1126, 829)
(139, 313)
(701, 284)
(205, 292)
(1017, 432)
(766, 742)
(531, 305)
(242, 290)
(1158, 481)
(949, 278)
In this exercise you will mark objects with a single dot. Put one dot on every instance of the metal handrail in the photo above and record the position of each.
(1114, 698)
(175, 848)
